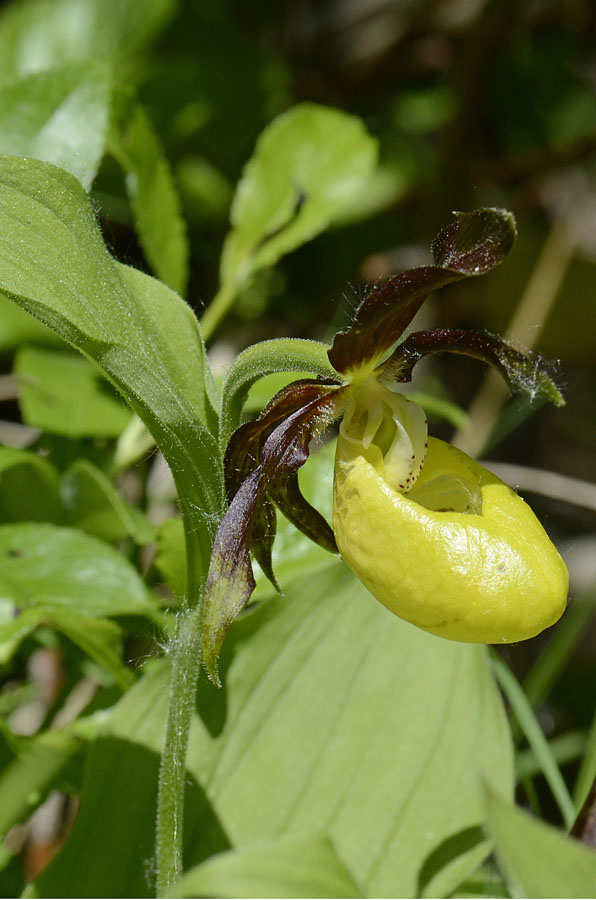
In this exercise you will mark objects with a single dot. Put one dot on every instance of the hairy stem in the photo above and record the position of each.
(186, 663)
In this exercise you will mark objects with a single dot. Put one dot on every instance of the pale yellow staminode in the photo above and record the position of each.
(460, 555)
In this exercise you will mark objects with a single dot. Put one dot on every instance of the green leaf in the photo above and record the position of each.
(60, 116)
(100, 639)
(28, 487)
(560, 650)
(335, 717)
(120, 789)
(307, 166)
(333, 707)
(93, 504)
(18, 327)
(25, 782)
(535, 737)
(307, 867)
(37, 34)
(65, 394)
(539, 861)
(170, 558)
(153, 196)
(44, 565)
(142, 335)
(587, 770)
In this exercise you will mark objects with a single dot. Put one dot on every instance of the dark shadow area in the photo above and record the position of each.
(450, 849)
(110, 851)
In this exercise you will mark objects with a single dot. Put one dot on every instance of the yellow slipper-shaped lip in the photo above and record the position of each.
(461, 555)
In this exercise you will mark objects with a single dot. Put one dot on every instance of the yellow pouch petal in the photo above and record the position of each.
(461, 555)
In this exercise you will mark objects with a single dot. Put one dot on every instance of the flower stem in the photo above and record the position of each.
(186, 663)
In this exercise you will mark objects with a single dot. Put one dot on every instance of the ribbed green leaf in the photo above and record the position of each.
(307, 867)
(336, 718)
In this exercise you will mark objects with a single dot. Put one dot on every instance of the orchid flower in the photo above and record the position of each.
(434, 536)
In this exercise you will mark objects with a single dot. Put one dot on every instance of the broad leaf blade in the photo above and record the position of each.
(307, 867)
(145, 339)
(60, 116)
(42, 564)
(538, 860)
(336, 717)
(99, 638)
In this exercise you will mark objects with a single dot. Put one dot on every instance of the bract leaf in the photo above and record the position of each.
(522, 373)
(230, 581)
(473, 245)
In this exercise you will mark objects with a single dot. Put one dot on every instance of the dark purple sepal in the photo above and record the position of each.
(230, 580)
(473, 245)
(289, 499)
(242, 453)
(523, 373)
(263, 537)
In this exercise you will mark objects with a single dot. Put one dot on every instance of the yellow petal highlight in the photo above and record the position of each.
(461, 555)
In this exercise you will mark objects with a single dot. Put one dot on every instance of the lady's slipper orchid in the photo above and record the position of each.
(434, 536)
